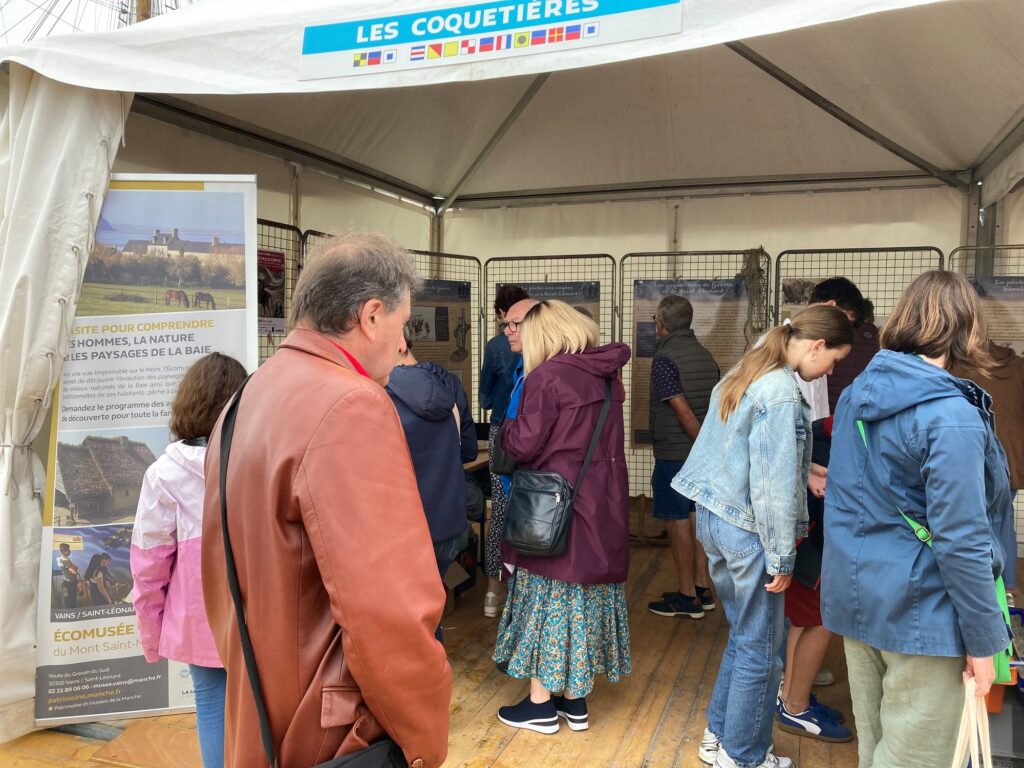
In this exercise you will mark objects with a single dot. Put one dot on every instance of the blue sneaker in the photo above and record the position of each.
(677, 604)
(814, 723)
(573, 711)
(832, 712)
(707, 600)
(541, 718)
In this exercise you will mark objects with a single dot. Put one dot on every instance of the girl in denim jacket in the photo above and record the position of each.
(747, 473)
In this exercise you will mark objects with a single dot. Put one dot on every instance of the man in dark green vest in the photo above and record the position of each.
(683, 373)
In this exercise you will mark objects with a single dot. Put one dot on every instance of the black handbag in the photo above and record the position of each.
(540, 503)
(381, 754)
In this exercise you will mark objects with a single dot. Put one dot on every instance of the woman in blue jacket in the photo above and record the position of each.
(914, 447)
(747, 473)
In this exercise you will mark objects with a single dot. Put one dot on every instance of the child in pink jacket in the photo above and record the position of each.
(166, 558)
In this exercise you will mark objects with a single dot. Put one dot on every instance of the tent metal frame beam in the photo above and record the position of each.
(843, 116)
(499, 134)
(1001, 151)
(702, 187)
(215, 126)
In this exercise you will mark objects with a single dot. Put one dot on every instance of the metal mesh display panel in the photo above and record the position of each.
(880, 273)
(585, 268)
(754, 265)
(467, 269)
(287, 240)
(445, 266)
(998, 261)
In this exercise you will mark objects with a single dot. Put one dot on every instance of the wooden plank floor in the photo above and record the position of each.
(653, 718)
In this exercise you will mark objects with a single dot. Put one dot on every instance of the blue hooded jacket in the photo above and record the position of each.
(932, 453)
(424, 395)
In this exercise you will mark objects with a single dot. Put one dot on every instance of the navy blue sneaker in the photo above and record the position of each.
(814, 723)
(541, 718)
(832, 712)
(707, 600)
(677, 604)
(573, 711)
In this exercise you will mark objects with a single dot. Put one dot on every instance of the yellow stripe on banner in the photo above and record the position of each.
(51, 460)
(175, 186)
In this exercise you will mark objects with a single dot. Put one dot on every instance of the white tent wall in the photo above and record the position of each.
(330, 205)
(50, 133)
(325, 203)
(1011, 217)
(153, 146)
(851, 219)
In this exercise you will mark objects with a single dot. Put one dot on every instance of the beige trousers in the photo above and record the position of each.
(907, 707)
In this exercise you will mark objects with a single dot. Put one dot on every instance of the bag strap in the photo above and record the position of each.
(597, 433)
(922, 533)
(227, 430)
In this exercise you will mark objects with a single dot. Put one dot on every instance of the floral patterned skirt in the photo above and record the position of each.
(563, 634)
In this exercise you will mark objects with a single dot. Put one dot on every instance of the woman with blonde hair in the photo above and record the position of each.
(565, 620)
(918, 498)
(747, 474)
(166, 538)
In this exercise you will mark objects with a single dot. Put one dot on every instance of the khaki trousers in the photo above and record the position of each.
(907, 707)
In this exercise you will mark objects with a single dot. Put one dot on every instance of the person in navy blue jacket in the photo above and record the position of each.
(912, 445)
(427, 398)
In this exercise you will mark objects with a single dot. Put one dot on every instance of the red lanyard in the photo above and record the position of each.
(355, 363)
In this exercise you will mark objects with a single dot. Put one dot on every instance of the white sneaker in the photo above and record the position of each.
(493, 603)
(825, 677)
(708, 750)
(770, 760)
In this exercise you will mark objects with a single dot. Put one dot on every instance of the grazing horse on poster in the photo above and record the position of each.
(174, 295)
(202, 297)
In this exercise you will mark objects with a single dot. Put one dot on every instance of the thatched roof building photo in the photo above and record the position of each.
(103, 475)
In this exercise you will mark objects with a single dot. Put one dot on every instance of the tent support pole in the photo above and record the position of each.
(843, 116)
(437, 232)
(499, 134)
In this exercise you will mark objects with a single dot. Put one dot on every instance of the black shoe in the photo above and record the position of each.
(541, 718)
(707, 600)
(573, 711)
(677, 604)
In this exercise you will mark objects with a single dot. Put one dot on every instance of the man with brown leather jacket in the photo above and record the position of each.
(334, 558)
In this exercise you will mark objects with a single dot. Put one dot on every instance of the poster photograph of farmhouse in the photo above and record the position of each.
(164, 251)
(99, 473)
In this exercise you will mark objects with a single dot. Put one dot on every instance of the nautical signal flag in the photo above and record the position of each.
(592, 29)
(467, 47)
(451, 49)
(556, 34)
(521, 40)
(374, 58)
(573, 32)
(539, 37)
(435, 51)
(418, 53)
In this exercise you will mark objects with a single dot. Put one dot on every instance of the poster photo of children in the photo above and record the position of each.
(90, 576)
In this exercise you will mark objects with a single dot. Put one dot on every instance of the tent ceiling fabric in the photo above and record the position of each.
(252, 46)
(943, 79)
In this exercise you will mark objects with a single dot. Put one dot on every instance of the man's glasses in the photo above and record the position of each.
(511, 325)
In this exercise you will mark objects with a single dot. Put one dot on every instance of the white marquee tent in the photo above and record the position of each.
(754, 95)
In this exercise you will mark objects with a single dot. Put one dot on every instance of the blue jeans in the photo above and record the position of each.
(209, 684)
(445, 552)
(742, 706)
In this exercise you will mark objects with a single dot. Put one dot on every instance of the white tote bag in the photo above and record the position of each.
(973, 739)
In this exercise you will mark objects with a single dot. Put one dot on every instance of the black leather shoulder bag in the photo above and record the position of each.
(381, 754)
(540, 503)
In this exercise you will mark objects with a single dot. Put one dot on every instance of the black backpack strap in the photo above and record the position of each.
(597, 433)
(227, 430)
